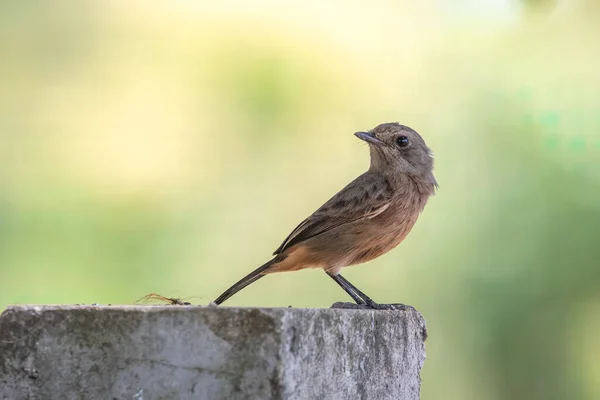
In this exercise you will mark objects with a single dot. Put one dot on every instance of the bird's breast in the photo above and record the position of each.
(386, 231)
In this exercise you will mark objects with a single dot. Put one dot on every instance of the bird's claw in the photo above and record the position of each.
(350, 306)
(395, 306)
(371, 306)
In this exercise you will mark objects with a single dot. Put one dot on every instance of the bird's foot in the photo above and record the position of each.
(395, 306)
(350, 306)
(372, 306)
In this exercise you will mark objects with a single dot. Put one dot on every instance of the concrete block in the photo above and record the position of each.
(194, 352)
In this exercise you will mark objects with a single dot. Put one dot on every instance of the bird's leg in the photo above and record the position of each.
(362, 300)
(349, 288)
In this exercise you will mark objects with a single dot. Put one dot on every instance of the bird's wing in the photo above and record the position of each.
(366, 197)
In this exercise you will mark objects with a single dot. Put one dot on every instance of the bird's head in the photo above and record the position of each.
(398, 149)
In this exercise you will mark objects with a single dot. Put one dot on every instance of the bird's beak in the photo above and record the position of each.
(368, 137)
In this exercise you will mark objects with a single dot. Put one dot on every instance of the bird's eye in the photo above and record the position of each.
(402, 141)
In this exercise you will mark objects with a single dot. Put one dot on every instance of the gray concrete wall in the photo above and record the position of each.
(191, 352)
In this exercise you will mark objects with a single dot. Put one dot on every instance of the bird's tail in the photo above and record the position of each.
(248, 279)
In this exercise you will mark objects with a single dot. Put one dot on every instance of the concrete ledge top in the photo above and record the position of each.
(196, 352)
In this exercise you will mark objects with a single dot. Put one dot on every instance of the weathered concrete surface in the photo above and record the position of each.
(191, 352)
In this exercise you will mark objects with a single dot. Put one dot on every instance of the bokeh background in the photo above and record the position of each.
(169, 147)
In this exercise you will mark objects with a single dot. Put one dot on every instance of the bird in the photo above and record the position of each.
(369, 217)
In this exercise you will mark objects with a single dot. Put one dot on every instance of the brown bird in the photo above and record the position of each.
(366, 219)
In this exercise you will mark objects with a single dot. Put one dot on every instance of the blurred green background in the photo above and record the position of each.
(170, 147)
